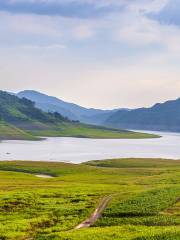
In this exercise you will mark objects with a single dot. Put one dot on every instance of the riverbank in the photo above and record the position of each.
(78, 150)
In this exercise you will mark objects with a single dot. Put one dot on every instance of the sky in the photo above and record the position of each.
(96, 53)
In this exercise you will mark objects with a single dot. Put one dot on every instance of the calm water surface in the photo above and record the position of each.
(79, 150)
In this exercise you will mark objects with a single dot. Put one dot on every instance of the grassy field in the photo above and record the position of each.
(9, 132)
(12, 133)
(145, 200)
(89, 131)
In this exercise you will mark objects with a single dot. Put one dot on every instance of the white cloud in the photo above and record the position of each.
(130, 25)
(134, 28)
(125, 51)
(137, 30)
(29, 24)
(44, 47)
(46, 26)
(147, 6)
(83, 31)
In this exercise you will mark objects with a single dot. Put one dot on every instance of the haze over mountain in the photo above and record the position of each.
(160, 117)
(20, 119)
(70, 110)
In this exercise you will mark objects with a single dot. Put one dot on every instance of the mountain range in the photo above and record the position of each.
(21, 119)
(69, 110)
(160, 117)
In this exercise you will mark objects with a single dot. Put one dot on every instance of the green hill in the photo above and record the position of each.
(20, 119)
(160, 117)
(22, 112)
(12, 133)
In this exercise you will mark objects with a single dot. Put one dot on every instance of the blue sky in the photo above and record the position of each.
(105, 53)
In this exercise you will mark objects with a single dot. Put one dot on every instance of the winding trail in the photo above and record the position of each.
(96, 214)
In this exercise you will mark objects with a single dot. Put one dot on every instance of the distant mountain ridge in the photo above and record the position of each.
(70, 110)
(20, 119)
(160, 117)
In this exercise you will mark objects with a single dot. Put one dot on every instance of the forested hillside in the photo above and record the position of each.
(161, 117)
(20, 119)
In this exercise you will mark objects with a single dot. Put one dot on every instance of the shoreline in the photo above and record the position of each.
(93, 160)
(79, 150)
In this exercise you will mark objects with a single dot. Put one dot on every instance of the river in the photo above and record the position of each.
(77, 150)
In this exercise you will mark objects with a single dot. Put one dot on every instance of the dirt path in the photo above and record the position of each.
(43, 176)
(96, 214)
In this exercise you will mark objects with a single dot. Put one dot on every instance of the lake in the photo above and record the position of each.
(77, 150)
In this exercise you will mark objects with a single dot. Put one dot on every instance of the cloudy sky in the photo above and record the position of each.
(97, 53)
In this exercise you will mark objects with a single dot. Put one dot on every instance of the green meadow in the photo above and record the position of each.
(68, 129)
(145, 200)
(10, 132)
